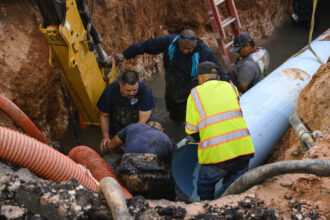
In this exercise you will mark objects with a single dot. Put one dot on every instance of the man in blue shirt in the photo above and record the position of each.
(144, 138)
(122, 103)
(182, 53)
(147, 154)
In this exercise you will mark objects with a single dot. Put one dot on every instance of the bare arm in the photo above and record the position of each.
(144, 116)
(115, 142)
(104, 124)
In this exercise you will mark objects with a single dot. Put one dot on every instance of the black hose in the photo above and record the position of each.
(71, 121)
(260, 174)
(92, 9)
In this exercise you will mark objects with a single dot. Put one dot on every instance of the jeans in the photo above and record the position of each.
(210, 174)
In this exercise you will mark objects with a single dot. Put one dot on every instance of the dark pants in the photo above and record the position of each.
(210, 174)
(176, 93)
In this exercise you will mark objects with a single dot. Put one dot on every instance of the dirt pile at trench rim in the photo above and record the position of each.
(27, 79)
(289, 196)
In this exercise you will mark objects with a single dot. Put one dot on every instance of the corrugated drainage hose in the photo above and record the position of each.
(260, 174)
(95, 164)
(115, 198)
(41, 159)
(21, 119)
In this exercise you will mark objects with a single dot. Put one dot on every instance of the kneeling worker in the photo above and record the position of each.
(147, 154)
(225, 147)
(122, 103)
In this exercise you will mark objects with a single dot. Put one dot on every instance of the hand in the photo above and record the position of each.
(119, 58)
(105, 143)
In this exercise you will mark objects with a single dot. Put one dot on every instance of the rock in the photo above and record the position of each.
(288, 196)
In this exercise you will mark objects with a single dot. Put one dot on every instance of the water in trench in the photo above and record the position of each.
(283, 43)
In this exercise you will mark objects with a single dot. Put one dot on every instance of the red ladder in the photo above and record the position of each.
(218, 25)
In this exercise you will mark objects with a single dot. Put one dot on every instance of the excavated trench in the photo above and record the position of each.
(28, 80)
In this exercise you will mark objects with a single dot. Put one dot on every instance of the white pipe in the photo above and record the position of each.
(268, 105)
(115, 198)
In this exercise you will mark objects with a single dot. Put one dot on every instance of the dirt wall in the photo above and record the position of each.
(28, 81)
(313, 109)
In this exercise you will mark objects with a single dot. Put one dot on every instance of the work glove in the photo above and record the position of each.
(186, 140)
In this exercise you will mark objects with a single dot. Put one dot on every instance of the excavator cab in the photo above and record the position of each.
(75, 45)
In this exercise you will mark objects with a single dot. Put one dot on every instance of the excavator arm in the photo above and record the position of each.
(75, 45)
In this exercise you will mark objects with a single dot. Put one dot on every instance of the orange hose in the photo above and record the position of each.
(41, 159)
(21, 119)
(95, 164)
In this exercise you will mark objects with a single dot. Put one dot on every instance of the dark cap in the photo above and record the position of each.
(207, 67)
(156, 119)
(240, 40)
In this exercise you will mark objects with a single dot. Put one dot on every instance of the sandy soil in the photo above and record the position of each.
(313, 109)
(28, 81)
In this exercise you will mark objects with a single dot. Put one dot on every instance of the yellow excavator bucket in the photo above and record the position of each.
(68, 47)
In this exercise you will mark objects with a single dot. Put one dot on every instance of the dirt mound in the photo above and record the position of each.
(313, 109)
(25, 196)
(27, 79)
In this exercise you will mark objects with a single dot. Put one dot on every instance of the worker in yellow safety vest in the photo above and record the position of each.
(225, 146)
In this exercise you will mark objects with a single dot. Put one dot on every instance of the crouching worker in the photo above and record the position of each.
(225, 147)
(143, 168)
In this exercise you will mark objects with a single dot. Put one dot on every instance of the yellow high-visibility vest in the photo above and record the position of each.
(213, 110)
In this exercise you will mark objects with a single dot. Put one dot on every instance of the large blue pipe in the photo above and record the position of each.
(266, 109)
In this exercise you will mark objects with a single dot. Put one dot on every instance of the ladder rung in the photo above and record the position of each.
(218, 2)
(229, 44)
(227, 21)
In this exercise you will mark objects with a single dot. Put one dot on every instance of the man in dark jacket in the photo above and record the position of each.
(182, 53)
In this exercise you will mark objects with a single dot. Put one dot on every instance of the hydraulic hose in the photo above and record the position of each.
(303, 133)
(66, 102)
(260, 174)
(41, 159)
(115, 198)
(95, 164)
(21, 119)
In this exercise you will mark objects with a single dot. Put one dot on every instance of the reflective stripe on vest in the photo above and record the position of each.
(218, 118)
(191, 127)
(234, 88)
(198, 103)
(224, 138)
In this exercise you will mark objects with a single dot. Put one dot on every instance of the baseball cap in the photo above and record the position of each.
(207, 67)
(157, 119)
(239, 41)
